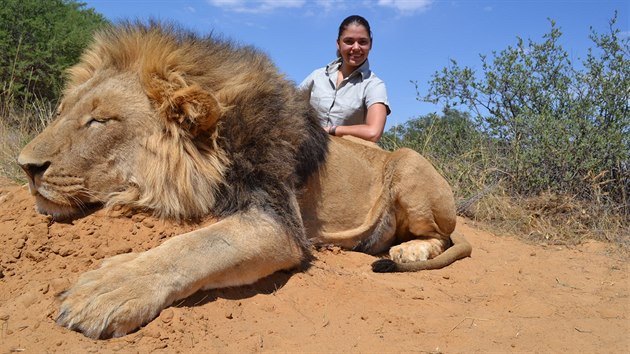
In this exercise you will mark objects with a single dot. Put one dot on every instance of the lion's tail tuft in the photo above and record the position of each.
(384, 266)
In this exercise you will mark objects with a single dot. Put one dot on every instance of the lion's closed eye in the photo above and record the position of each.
(92, 121)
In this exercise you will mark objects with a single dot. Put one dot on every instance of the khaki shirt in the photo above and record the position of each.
(348, 103)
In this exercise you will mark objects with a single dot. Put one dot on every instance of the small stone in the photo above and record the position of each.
(60, 284)
(20, 243)
(161, 345)
(29, 298)
(66, 251)
(167, 315)
(152, 332)
(138, 217)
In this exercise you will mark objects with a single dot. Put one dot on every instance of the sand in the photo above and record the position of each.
(510, 296)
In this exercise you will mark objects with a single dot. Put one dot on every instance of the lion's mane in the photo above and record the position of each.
(236, 134)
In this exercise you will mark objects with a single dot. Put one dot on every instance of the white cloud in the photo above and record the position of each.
(407, 6)
(256, 6)
(224, 3)
(330, 5)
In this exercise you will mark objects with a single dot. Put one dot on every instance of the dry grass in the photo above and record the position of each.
(9, 148)
(551, 219)
(18, 125)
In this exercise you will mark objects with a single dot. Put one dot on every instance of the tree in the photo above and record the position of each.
(558, 127)
(605, 89)
(38, 41)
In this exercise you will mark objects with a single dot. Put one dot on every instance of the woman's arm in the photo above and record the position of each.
(373, 127)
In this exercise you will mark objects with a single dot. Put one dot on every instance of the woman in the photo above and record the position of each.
(349, 98)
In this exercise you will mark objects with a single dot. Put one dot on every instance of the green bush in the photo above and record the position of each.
(555, 126)
(462, 153)
(38, 41)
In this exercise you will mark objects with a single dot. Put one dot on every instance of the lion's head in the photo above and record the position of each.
(145, 121)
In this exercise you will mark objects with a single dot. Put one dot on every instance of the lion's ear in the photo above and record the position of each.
(195, 109)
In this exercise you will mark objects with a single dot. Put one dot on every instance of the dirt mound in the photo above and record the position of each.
(508, 297)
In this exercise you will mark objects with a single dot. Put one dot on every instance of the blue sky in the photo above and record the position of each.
(412, 38)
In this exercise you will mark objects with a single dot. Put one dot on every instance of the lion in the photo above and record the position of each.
(157, 119)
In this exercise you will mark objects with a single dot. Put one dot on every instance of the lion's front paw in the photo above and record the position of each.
(415, 250)
(115, 299)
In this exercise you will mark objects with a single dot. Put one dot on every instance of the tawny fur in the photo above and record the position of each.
(158, 119)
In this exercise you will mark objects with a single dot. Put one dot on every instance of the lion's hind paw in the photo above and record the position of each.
(416, 250)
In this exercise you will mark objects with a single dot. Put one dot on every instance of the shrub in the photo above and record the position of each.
(38, 41)
(557, 127)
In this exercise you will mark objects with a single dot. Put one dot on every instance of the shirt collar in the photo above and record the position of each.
(334, 66)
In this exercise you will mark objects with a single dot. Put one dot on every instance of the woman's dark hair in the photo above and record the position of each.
(354, 20)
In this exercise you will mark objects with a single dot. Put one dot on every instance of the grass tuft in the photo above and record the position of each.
(19, 124)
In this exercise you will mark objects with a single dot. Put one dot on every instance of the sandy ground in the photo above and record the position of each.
(508, 297)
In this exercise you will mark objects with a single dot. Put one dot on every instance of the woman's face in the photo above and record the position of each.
(354, 45)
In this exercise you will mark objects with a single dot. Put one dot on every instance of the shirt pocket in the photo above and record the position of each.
(350, 108)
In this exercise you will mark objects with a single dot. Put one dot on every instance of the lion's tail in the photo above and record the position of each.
(460, 249)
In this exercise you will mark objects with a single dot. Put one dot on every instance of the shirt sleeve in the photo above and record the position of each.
(376, 92)
(307, 83)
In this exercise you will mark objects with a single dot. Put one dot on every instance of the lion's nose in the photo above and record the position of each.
(34, 169)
